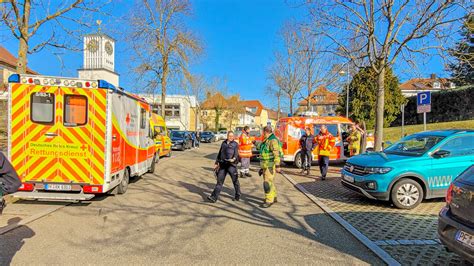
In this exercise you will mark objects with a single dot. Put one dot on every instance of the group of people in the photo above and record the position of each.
(324, 142)
(230, 153)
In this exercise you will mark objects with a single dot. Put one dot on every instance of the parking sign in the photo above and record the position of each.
(423, 102)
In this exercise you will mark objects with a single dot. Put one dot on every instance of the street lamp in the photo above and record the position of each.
(342, 72)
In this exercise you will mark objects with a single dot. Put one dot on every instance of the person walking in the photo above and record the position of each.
(354, 140)
(270, 156)
(226, 163)
(245, 152)
(307, 144)
(326, 142)
(9, 181)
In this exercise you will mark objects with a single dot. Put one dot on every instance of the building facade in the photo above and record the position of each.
(433, 84)
(180, 111)
(321, 101)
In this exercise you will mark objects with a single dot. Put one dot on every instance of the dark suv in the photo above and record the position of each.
(456, 220)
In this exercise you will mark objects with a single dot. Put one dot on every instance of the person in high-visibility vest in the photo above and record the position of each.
(245, 152)
(270, 157)
(354, 140)
(326, 142)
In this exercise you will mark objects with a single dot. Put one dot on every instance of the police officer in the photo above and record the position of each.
(226, 163)
(307, 144)
(9, 181)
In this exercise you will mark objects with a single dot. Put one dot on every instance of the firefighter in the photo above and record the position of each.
(9, 181)
(245, 152)
(354, 140)
(270, 154)
(307, 144)
(226, 163)
(326, 142)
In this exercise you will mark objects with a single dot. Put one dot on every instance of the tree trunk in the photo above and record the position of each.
(379, 111)
(23, 46)
(164, 80)
(291, 104)
(278, 108)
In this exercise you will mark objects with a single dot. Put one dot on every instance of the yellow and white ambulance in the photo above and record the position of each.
(71, 138)
(160, 133)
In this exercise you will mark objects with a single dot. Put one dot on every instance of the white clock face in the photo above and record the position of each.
(108, 48)
(93, 46)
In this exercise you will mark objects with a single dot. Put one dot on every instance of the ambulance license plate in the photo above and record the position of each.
(59, 187)
(348, 178)
(465, 238)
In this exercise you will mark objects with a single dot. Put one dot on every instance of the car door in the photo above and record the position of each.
(445, 169)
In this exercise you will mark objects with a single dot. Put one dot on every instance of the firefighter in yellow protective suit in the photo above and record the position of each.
(354, 140)
(270, 156)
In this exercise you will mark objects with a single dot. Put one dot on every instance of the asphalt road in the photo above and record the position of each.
(164, 219)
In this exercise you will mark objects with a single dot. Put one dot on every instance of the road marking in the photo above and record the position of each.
(382, 254)
(30, 219)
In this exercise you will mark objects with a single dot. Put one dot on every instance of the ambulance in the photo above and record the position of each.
(290, 129)
(70, 139)
(161, 136)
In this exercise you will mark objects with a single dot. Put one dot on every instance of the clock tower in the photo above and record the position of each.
(99, 58)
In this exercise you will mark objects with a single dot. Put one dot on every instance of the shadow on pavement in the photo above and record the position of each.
(13, 241)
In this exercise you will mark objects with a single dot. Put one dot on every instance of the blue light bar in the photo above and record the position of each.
(14, 78)
(105, 85)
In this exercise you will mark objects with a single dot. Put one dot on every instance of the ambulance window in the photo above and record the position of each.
(42, 108)
(142, 118)
(332, 128)
(75, 110)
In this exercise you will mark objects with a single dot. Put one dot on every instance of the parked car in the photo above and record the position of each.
(208, 136)
(419, 166)
(181, 140)
(222, 134)
(456, 220)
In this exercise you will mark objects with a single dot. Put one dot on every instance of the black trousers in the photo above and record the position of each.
(221, 175)
(323, 162)
(307, 159)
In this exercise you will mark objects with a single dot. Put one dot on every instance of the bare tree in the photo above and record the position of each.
(384, 31)
(287, 72)
(25, 18)
(164, 46)
(234, 109)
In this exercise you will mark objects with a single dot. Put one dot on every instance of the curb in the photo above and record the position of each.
(382, 254)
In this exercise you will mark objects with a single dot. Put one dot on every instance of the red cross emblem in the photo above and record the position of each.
(127, 119)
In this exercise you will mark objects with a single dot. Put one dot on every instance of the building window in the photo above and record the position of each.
(204, 113)
(172, 110)
(452, 85)
(253, 109)
(436, 85)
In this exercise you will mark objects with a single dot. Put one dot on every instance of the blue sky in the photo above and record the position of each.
(239, 37)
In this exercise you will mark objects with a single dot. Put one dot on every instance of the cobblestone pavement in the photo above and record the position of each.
(409, 236)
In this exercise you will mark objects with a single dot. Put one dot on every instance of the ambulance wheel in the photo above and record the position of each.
(156, 159)
(122, 187)
(299, 160)
(169, 154)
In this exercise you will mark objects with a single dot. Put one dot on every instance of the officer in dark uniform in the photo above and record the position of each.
(226, 163)
(9, 181)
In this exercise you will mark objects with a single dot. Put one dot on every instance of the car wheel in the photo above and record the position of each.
(156, 159)
(123, 186)
(183, 147)
(298, 160)
(406, 194)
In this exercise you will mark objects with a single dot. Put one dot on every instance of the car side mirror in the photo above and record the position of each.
(441, 154)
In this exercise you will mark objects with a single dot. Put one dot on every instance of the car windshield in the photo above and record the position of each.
(254, 133)
(206, 133)
(414, 145)
(177, 134)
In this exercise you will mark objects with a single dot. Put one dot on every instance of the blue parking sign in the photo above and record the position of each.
(423, 98)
